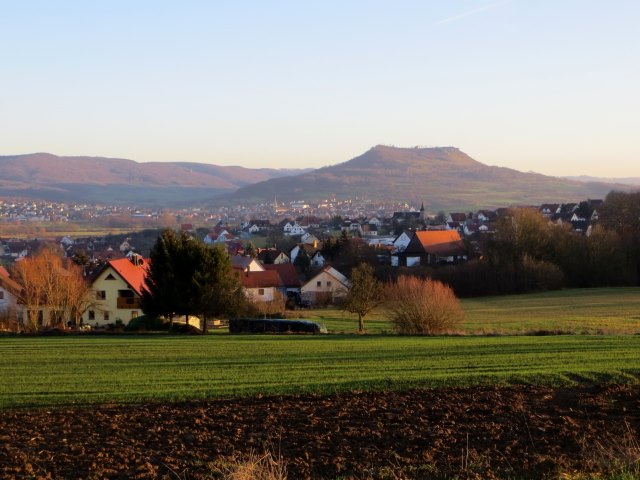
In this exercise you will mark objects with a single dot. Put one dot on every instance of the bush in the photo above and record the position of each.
(418, 306)
(253, 325)
(147, 323)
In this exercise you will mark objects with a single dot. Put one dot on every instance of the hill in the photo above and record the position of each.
(587, 178)
(115, 180)
(443, 177)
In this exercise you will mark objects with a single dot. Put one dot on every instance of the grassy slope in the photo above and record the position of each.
(62, 370)
(597, 310)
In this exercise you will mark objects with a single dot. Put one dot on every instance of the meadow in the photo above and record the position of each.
(577, 311)
(491, 347)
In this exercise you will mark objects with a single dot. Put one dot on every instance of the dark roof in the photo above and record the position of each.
(287, 273)
(458, 217)
(406, 215)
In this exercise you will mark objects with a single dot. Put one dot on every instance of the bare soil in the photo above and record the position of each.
(486, 432)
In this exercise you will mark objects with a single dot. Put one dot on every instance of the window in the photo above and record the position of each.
(92, 315)
(328, 284)
(101, 295)
(110, 277)
(134, 313)
(106, 316)
(1, 295)
(318, 283)
(261, 291)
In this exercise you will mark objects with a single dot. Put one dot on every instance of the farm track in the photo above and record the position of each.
(480, 432)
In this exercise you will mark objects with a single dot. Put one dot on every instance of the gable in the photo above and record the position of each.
(134, 276)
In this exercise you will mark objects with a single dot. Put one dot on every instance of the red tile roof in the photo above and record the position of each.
(134, 275)
(434, 237)
(267, 279)
(287, 273)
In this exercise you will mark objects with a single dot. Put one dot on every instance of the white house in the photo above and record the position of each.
(294, 229)
(402, 241)
(318, 260)
(327, 286)
(374, 221)
(309, 239)
(8, 292)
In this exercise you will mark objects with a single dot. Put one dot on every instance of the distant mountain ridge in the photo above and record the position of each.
(442, 177)
(100, 179)
(588, 178)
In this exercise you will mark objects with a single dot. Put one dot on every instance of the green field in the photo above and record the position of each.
(46, 371)
(582, 311)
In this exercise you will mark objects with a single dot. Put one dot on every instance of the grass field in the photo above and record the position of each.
(583, 311)
(46, 371)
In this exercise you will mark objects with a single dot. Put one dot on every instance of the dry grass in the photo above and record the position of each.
(255, 466)
(616, 456)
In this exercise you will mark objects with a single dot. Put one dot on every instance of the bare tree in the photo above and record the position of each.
(365, 293)
(46, 286)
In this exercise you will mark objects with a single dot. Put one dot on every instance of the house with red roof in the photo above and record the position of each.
(290, 282)
(431, 247)
(118, 288)
(260, 286)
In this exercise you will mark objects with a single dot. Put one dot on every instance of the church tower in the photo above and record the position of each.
(422, 212)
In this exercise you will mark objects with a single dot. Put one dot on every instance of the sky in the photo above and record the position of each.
(549, 86)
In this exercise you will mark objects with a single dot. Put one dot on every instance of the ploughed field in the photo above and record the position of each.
(518, 432)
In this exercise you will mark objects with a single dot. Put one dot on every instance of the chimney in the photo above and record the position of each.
(136, 259)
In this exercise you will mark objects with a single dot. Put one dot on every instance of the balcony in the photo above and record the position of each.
(128, 302)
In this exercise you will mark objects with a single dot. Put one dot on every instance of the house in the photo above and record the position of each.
(457, 217)
(317, 259)
(261, 285)
(293, 229)
(271, 255)
(326, 287)
(369, 230)
(212, 236)
(246, 264)
(315, 256)
(431, 247)
(118, 289)
(290, 283)
(549, 209)
(310, 239)
(402, 241)
(375, 221)
(9, 291)
(404, 217)
(486, 216)
(125, 246)
(256, 226)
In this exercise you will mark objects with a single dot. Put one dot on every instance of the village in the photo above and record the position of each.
(281, 253)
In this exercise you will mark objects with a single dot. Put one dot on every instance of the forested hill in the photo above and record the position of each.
(442, 177)
(114, 180)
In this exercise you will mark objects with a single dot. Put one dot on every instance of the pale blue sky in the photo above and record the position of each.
(549, 86)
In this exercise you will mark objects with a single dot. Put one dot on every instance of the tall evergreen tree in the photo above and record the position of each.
(186, 277)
